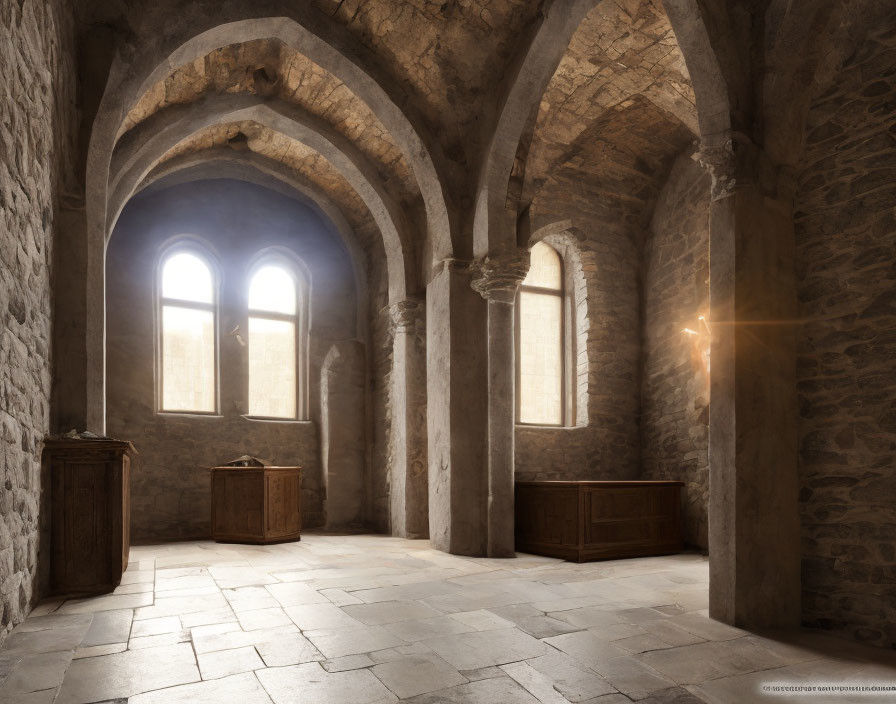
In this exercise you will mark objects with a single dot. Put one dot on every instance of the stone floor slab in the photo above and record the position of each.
(571, 678)
(127, 674)
(496, 690)
(422, 629)
(692, 664)
(296, 594)
(315, 617)
(223, 663)
(44, 641)
(35, 673)
(414, 675)
(311, 684)
(477, 649)
(109, 627)
(243, 689)
(383, 612)
(334, 643)
(262, 618)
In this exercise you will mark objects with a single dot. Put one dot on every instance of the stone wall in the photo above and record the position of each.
(170, 483)
(608, 193)
(675, 371)
(605, 445)
(846, 272)
(37, 84)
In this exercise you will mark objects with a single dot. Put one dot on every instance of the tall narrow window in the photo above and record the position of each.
(540, 335)
(273, 351)
(187, 314)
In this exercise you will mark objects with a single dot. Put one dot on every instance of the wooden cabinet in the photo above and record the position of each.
(90, 514)
(256, 504)
(583, 521)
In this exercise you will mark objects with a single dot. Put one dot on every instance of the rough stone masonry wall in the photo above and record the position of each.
(170, 492)
(603, 443)
(37, 90)
(608, 189)
(675, 374)
(846, 366)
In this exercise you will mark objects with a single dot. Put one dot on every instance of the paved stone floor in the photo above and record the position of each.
(370, 619)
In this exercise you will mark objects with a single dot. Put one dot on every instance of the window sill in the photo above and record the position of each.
(188, 414)
(533, 426)
(285, 421)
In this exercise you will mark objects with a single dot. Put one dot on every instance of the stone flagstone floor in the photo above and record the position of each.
(372, 619)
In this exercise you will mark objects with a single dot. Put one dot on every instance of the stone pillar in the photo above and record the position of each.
(754, 525)
(456, 411)
(409, 509)
(342, 391)
(497, 279)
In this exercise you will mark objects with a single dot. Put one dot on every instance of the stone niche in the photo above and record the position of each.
(234, 221)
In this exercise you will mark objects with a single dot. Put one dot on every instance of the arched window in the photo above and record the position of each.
(275, 352)
(188, 357)
(541, 335)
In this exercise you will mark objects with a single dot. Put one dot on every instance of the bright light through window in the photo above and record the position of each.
(273, 290)
(188, 360)
(185, 277)
(188, 335)
(540, 362)
(272, 344)
(272, 368)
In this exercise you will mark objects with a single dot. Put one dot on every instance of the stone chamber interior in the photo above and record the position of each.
(716, 178)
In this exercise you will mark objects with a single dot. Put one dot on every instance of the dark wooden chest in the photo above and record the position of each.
(583, 521)
(256, 504)
(90, 514)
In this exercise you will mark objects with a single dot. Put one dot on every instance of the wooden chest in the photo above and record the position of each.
(583, 521)
(90, 514)
(256, 504)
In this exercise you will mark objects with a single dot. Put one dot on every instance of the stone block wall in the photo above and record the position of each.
(846, 366)
(675, 372)
(604, 445)
(37, 84)
(608, 194)
(170, 497)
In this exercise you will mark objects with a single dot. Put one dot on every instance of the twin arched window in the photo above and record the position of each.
(541, 341)
(188, 337)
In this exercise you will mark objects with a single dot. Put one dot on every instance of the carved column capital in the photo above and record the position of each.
(717, 156)
(497, 278)
(404, 315)
(734, 161)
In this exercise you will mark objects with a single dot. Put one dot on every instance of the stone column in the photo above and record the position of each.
(409, 509)
(456, 411)
(497, 279)
(754, 526)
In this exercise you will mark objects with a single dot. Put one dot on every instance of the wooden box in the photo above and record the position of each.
(90, 514)
(256, 504)
(583, 521)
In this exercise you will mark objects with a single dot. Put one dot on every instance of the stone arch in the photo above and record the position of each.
(320, 39)
(252, 168)
(493, 227)
(135, 67)
(700, 55)
(164, 131)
